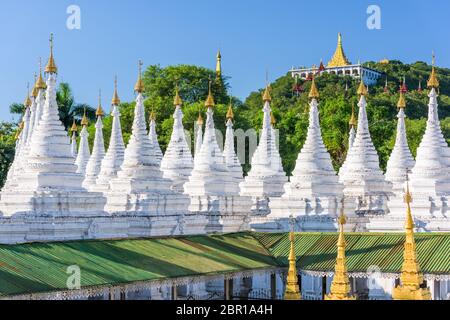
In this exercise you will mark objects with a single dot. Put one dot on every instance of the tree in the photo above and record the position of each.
(7, 148)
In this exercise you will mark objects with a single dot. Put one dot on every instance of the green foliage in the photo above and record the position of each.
(7, 148)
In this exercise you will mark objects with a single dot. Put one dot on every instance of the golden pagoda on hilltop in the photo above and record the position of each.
(339, 59)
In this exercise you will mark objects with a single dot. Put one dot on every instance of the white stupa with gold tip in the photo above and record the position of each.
(98, 150)
(49, 185)
(314, 189)
(83, 149)
(139, 187)
(177, 163)
(266, 177)
(113, 158)
(73, 139)
(213, 191)
(154, 137)
(198, 134)
(34, 94)
(365, 187)
(430, 177)
(40, 99)
(352, 134)
(231, 160)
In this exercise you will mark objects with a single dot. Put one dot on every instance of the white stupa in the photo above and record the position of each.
(177, 163)
(212, 189)
(139, 186)
(352, 134)
(48, 184)
(34, 95)
(199, 135)
(83, 150)
(98, 151)
(73, 139)
(314, 189)
(113, 158)
(154, 137)
(231, 160)
(365, 188)
(430, 177)
(266, 177)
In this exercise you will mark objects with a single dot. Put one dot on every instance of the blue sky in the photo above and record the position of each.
(254, 36)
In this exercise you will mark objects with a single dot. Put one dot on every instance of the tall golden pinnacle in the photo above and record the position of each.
(177, 100)
(84, 120)
(152, 116)
(35, 91)
(339, 59)
(115, 99)
(266, 95)
(209, 103)
(362, 89)
(51, 65)
(99, 112)
(411, 277)
(340, 287)
(40, 84)
(27, 102)
(353, 122)
(139, 86)
(292, 291)
(273, 120)
(401, 104)
(218, 65)
(230, 113)
(313, 93)
(433, 81)
(200, 119)
(74, 127)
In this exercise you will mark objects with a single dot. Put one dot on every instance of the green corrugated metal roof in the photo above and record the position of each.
(41, 267)
(317, 251)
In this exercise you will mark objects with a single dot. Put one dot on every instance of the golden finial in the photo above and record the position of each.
(74, 127)
(218, 65)
(200, 119)
(99, 112)
(115, 99)
(139, 87)
(40, 84)
(266, 95)
(353, 122)
(401, 101)
(362, 90)
(84, 120)
(27, 102)
(209, 103)
(313, 93)
(51, 65)
(19, 130)
(292, 291)
(340, 286)
(339, 59)
(152, 116)
(177, 100)
(411, 277)
(230, 113)
(35, 91)
(273, 120)
(433, 82)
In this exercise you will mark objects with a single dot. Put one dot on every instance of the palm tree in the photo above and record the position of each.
(68, 109)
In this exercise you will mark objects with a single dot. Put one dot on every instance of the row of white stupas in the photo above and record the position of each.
(56, 192)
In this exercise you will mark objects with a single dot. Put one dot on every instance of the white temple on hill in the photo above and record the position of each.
(56, 192)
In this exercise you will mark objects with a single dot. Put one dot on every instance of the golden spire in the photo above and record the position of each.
(115, 99)
(273, 121)
(152, 116)
(433, 82)
(266, 95)
(218, 65)
(401, 101)
(340, 287)
(51, 65)
(139, 86)
(84, 120)
(27, 102)
(177, 100)
(313, 93)
(40, 84)
(99, 112)
(353, 122)
(362, 89)
(74, 127)
(19, 130)
(200, 119)
(230, 113)
(339, 59)
(209, 103)
(35, 91)
(411, 277)
(292, 291)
